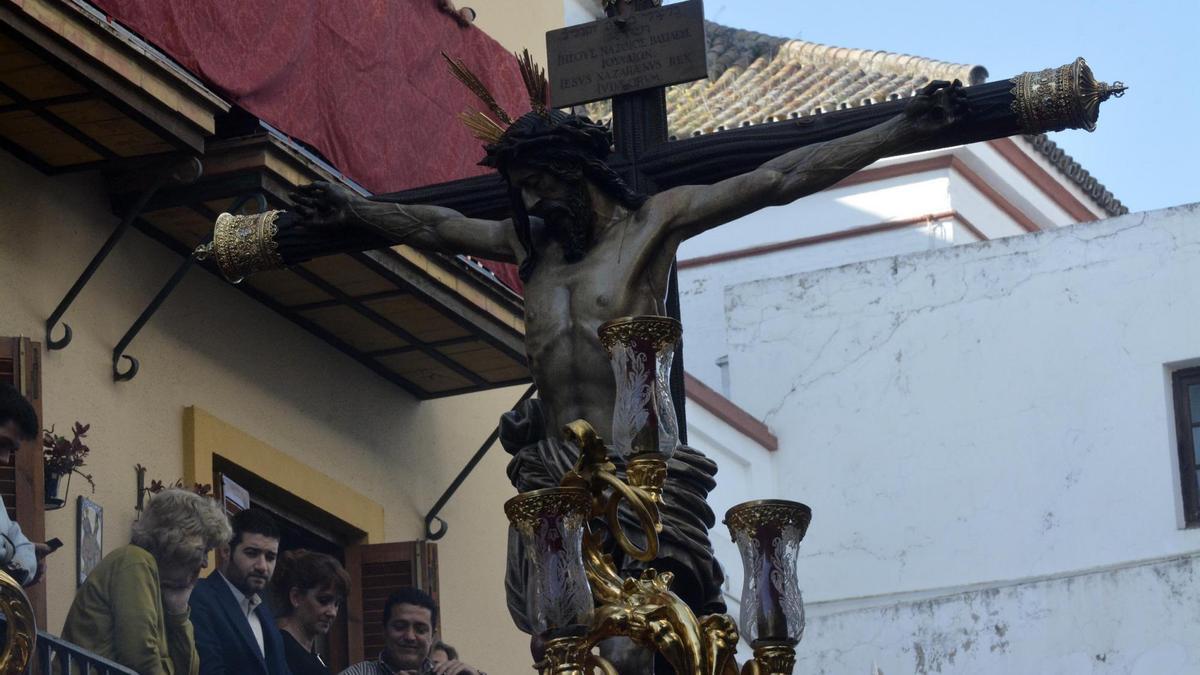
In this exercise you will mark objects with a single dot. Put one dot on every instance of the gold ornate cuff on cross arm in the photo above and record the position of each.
(1060, 98)
(244, 244)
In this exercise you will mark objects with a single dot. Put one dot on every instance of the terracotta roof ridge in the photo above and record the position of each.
(867, 59)
(1074, 172)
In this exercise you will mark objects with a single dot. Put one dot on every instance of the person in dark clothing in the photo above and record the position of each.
(308, 588)
(235, 633)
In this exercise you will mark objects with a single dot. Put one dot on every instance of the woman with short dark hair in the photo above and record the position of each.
(309, 588)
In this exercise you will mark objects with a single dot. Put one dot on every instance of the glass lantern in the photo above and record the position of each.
(768, 533)
(550, 523)
(641, 349)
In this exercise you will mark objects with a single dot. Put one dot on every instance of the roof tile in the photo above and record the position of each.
(755, 78)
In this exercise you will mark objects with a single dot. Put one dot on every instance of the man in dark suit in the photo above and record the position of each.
(235, 633)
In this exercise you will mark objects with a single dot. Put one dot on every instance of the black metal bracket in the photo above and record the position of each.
(161, 297)
(189, 171)
(432, 534)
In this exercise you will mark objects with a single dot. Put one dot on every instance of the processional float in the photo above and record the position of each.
(576, 595)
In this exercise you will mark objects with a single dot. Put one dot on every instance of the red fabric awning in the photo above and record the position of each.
(362, 81)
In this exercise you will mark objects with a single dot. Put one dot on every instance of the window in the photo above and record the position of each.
(1187, 420)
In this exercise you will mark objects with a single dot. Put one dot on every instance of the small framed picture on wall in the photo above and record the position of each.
(91, 536)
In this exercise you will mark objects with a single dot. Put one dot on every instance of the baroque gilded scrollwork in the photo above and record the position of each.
(22, 627)
(771, 658)
(571, 535)
(643, 609)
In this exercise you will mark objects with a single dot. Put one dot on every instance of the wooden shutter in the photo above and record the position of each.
(21, 482)
(377, 571)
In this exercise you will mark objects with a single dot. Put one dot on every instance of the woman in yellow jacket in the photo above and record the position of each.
(133, 608)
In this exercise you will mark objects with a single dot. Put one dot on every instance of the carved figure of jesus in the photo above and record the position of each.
(590, 249)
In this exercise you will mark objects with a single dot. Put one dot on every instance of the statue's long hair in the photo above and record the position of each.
(572, 171)
(569, 147)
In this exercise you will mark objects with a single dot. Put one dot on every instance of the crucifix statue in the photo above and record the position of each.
(592, 245)
(590, 249)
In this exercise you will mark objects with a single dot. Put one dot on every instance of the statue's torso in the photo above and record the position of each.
(565, 303)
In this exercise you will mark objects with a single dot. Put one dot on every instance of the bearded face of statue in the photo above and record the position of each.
(563, 202)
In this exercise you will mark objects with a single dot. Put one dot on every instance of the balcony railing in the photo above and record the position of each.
(56, 656)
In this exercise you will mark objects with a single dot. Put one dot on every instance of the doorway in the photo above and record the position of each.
(301, 525)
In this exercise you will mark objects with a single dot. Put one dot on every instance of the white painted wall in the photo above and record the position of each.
(978, 429)
(837, 210)
(744, 472)
(1138, 619)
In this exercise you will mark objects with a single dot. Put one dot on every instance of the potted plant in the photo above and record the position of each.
(62, 458)
(157, 486)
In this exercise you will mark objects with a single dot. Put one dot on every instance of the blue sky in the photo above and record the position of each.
(1145, 144)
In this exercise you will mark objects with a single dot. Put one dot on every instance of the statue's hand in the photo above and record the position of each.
(938, 105)
(323, 205)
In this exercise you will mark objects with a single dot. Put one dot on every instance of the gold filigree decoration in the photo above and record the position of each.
(528, 508)
(22, 626)
(771, 658)
(597, 474)
(643, 609)
(750, 516)
(572, 656)
(648, 472)
(1060, 98)
(660, 331)
(650, 614)
(244, 244)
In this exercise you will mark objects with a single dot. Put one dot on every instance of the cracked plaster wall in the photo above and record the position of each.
(836, 210)
(702, 289)
(1139, 619)
(998, 411)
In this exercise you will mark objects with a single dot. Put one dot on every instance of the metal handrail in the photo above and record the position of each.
(56, 656)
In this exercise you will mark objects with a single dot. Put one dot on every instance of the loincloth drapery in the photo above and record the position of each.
(684, 548)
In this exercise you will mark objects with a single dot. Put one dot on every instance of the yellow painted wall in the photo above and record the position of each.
(518, 25)
(211, 347)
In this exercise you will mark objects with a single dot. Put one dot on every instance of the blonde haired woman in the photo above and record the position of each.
(133, 608)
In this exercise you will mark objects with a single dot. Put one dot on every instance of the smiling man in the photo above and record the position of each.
(409, 616)
(235, 633)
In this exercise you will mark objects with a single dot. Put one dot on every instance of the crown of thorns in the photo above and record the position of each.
(543, 132)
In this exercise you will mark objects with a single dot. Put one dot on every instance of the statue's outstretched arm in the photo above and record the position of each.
(803, 171)
(334, 209)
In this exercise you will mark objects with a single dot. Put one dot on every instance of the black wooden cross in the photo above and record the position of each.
(639, 122)
(650, 162)
(1052, 100)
